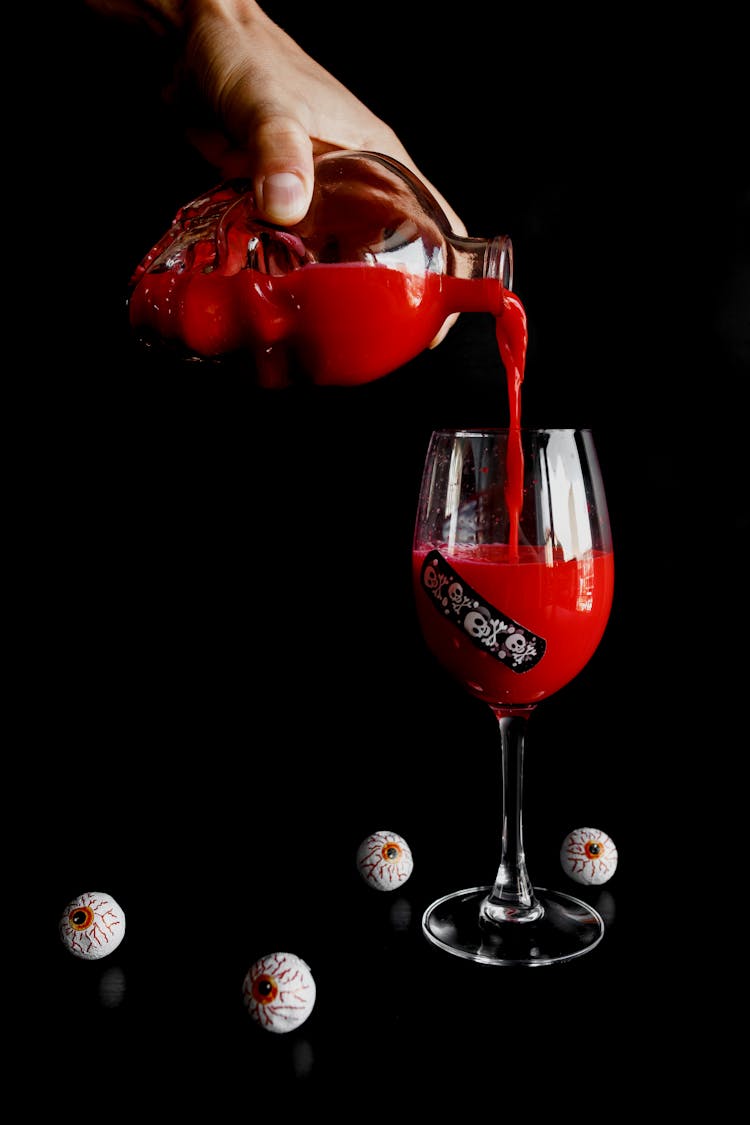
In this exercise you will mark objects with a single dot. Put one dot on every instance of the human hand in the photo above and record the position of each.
(255, 105)
(273, 107)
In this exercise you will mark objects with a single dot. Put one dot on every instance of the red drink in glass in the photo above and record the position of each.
(564, 601)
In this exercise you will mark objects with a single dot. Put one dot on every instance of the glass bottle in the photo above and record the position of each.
(359, 287)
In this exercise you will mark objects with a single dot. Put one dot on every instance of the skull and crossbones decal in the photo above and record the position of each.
(488, 628)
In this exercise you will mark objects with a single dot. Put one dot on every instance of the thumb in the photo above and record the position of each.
(283, 171)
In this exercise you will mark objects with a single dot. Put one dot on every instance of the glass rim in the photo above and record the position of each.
(492, 431)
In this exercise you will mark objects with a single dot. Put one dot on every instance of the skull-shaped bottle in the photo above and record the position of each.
(356, 289)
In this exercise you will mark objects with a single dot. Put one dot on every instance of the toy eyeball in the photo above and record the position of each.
(589, 856)
(279, 992)
(92, 926)
(385, 860)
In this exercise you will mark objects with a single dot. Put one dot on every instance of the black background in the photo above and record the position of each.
(222, 684)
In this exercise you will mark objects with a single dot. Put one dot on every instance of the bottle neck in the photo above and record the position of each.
(486, 262)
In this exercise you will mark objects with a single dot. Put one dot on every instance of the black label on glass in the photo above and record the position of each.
(487, 627)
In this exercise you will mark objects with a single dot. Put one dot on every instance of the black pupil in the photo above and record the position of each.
(594, 849)
(265, 987)
(391, 852)
(79, 918)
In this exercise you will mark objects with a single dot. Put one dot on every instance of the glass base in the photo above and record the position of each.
(566, 929)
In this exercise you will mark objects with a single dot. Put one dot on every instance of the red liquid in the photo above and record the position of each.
(336, 324)
(567, 603)
(512, 338)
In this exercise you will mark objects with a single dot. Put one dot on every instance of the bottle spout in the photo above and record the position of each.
(485, 262)
(499, 261)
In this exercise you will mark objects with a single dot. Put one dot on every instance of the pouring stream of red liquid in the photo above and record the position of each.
(512, 338)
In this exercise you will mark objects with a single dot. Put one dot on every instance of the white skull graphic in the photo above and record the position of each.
(456, 593)
(515, 643)
(476, 623)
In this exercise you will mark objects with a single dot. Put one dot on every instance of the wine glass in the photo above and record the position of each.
(513, 578)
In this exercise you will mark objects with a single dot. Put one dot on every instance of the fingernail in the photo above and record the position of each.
(284, 197)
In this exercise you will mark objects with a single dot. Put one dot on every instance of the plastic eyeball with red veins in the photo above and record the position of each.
(385, 861)
(589, 856)
(279, 992)
(92, 926)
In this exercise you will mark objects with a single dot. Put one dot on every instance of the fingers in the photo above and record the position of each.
(252, 79)
(283, 160)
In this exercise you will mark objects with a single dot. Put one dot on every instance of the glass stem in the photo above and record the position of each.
(512, 897)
